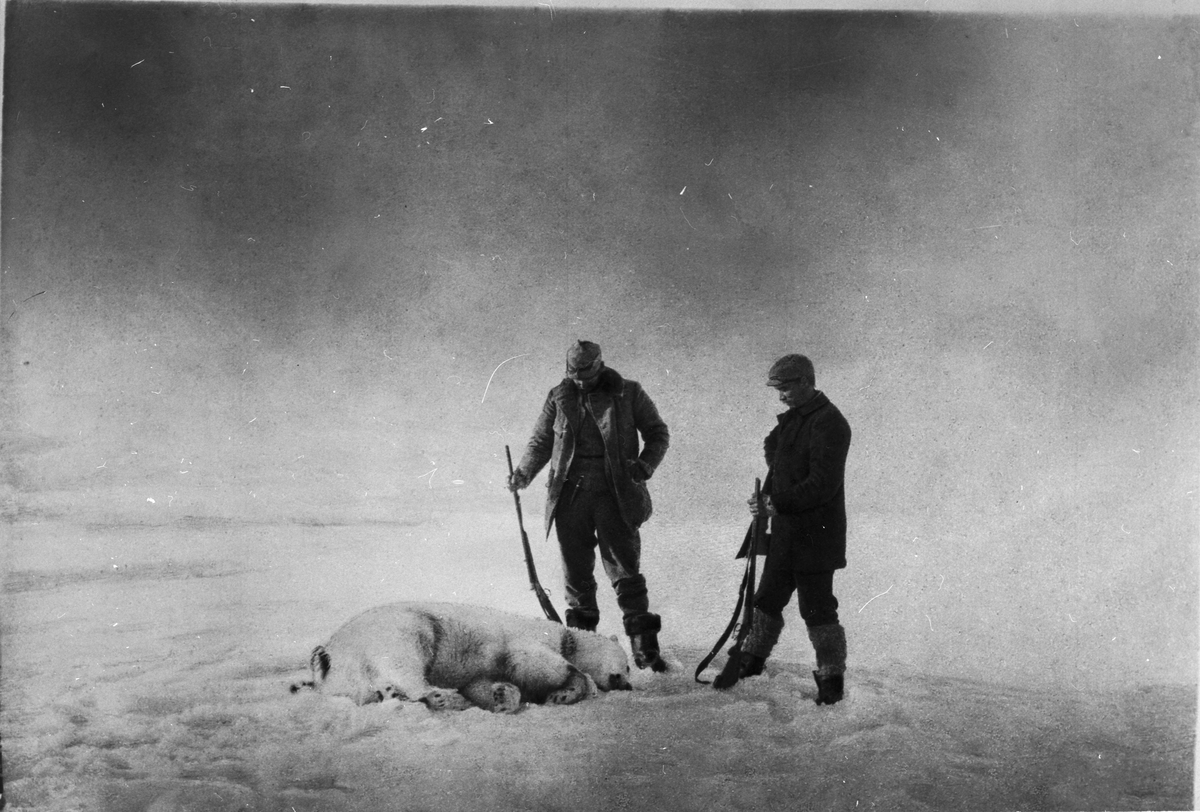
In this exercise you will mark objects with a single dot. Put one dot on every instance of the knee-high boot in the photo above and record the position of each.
(750, 655)
(760, 642)
(643, 641)
(829, 643)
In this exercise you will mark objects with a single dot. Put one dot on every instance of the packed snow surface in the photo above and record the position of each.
(145, 668)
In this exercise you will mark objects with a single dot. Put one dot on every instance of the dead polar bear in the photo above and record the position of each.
(451, 655)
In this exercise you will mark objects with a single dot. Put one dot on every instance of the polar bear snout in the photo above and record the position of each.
(616, 682)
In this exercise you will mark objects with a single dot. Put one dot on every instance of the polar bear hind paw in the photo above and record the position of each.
(443, 700)
(506, 698)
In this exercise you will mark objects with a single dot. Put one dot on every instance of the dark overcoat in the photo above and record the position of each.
(632, 430)
(806, 459)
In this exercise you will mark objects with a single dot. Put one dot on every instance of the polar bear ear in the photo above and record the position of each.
(613, 638)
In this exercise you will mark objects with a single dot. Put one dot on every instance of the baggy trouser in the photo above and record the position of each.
(589, 522)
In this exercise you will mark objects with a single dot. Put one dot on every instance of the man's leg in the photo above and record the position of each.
(574, 522)
(620, 552)
(772, 595)
(818, 607)
(750, 654)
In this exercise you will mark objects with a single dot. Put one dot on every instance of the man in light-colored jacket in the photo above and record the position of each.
(603, 438)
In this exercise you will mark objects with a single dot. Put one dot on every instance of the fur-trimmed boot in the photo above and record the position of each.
(643, 640)
(760, 642)
(829, 643)
(752, 652)
(585, 619)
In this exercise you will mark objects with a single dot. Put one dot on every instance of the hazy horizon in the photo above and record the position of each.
(318, 265)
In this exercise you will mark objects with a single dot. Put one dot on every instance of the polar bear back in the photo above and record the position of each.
(445, 644)
(444, 628)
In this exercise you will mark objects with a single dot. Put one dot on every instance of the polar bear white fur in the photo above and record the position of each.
(451, 656)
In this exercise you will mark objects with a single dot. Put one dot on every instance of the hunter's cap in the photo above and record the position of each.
(584, 361)
(789, 368)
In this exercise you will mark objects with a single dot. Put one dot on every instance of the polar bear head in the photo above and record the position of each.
(601, 658)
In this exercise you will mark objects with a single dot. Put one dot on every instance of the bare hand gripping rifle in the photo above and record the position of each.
(731, 673)
(534, 584)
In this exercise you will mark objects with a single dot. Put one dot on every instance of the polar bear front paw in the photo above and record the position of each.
(579, 687)
(392, 692)
(441, 700)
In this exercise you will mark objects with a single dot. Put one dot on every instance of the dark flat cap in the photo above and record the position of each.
(584, 360)
(789, 368)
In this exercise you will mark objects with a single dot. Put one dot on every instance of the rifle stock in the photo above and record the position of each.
(757, 532)
(534, 583)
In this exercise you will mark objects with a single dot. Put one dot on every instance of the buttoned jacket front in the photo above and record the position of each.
(806, 459)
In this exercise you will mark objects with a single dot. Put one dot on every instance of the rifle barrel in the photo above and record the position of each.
(534, 583)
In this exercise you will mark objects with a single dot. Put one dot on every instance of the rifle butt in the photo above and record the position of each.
(547, 607)
(731, 673)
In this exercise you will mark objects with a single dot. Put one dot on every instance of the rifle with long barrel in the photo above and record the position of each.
(731, 673)
(534, 583)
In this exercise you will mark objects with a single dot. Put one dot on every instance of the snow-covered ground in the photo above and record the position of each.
(146, 667)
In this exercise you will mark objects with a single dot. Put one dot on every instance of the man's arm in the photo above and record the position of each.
(540, 447)
(826, 468)
(770, 444)
(656, 437)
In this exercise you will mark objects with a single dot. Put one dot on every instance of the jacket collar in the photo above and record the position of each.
(805, 409)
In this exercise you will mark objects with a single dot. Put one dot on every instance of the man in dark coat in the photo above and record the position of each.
(588, 431)
(804, 496)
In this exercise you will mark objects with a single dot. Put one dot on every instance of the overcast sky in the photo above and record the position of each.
(268, 262)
